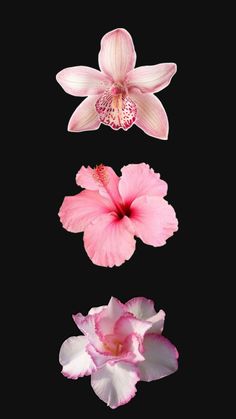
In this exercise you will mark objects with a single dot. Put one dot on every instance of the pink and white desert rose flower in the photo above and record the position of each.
(119, 95)
(112, 210)
(121, 345)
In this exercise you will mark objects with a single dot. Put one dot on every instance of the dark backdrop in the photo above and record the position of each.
(60, 278)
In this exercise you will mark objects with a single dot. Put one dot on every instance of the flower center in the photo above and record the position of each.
(101, 175)
(116, 108)
(113, 345)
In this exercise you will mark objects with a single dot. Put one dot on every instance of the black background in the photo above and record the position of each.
(60, 279)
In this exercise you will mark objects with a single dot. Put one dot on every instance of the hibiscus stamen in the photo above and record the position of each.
(100, 175)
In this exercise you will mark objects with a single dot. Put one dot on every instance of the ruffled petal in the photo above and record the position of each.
(154, 219)
(106, 320)
(109, 241)
(141, 307)
(128, 324)
(78, 211)
(157, 322)
(75, 360)
(139, 180)
(114, 383)
(160, 358)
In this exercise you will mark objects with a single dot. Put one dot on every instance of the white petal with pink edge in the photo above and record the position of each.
(85, 117)
(96, 310)
(82, 81)
(115, 383)
(109, 241)
(154, 220)
(131, 351)
(128, 324)
(78, 211)
(160, 358)
(117, 55)
(106, 320)
(151, 78)
(141, 307)
(151, 115)
(139, 180)
(86, 325)
(157, 322)
(75, 360)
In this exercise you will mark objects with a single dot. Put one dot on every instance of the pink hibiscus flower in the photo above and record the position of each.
(119, 95)
(112, 210)
(122, 344)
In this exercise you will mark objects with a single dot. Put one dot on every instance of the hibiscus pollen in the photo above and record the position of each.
(100, 175)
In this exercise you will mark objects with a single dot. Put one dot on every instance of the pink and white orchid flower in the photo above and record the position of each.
(119, 95)
(122, 344)
(112, 210)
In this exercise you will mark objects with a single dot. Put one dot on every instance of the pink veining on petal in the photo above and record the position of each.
(118, 349)
(119, 95)
(116, 110)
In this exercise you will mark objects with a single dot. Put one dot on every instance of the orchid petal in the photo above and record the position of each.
(151, 78)
(82, 81)
(151, 115)
(85, 117)
(117, 55)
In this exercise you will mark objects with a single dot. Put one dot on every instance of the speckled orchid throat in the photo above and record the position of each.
(116, 108)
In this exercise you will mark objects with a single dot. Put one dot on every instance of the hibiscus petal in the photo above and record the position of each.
(78, 211)
(75, 360)
(141, 307)
(109, 240)
(157, 322)
(151, 115)
(154, 219)
(102, 179)
(83, 81)
(151, 78)
(128, 324)
(115, 383)
(85, 117)
(117, 55)
(138, 180)
(160, 358)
